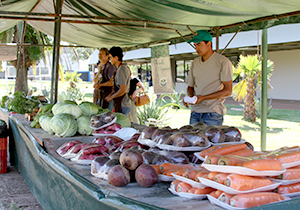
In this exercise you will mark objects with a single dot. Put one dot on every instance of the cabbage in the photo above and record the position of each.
(123, 120)
(83, 125)
(72, 109)
(88, 108)
(64, 125)
(44, 121)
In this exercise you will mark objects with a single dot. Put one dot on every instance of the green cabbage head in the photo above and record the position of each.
(44, 121)
(72, 109)
(64, 125)
(83, 125)
(88, 108)
(123, 120)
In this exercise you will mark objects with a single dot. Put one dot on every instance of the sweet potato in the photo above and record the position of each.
(244, 183)
(250, 200)
(286, 189)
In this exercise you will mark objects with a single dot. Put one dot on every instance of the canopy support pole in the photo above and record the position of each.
(217, 39)
(56, 47)
(264, 90)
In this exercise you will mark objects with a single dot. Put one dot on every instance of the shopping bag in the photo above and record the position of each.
(142, 99)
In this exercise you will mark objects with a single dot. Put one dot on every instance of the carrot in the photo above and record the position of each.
(203, 153)
(157, 168)
(263, 164)
(200, 174)
(212, 159)
(206, 190)
(180, 172)
(225, 197)
(192, 174)
(254, 199)
(183, 187)
(173, 166)
(174, 184)
(192, 190)
(244, 183)
(169, 173)
(286, 189)
(289, 156)
(221, 178)
(212, 175)
(228, 149)
(232, 160)
(216, 193)
(244, 152)
(290, 174)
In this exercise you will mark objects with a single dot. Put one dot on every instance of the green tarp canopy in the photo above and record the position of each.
(133, 24)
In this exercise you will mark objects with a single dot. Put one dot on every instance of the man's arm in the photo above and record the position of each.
(225, 92)
(120, 92)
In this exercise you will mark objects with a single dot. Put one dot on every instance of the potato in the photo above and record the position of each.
(146, 175)
(131, 159)
(118, 176)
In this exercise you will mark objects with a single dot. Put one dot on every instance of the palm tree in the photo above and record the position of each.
(250, 68)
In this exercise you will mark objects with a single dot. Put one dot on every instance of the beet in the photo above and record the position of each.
(147, 132)
(148, 157)
(97, 163)
(159, 132)
(118, 176)
(232, 134)
(164, 138)
(214, 134)
(146, 175)
(131, 159)
(160, 159)
(113, 127)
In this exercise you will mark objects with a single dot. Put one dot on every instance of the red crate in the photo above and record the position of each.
(3, 155)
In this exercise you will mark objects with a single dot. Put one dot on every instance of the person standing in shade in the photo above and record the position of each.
(104, 79)
(133, 91)
(209, 80)
(119, 95)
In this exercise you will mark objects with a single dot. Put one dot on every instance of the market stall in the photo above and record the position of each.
(58, 183)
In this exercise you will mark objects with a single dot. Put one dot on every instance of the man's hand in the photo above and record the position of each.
(97, 85)
(199, 99)
(109, 98)
(186, 104)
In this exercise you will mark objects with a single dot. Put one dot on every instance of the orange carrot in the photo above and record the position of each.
(249, 200)
(192, 190)
(232, 160)
(204, 153)
(221, 178)
(206, 190)
(212, 175)
(212, 159)
(180, 172)
(205, 176)
(228, 149)
(289, 156)
(183, 187)
(286, 189)
(192, 174)
(244, 183)
(173, 166)
(200, 174)
(157, 168)
(216, 193)
(169, 173)
(245, 152)
(290, 174)
(174, 184)
(263, 165)
(225, 197)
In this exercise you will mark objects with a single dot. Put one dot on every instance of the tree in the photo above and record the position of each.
(29, 55)
(250, 68)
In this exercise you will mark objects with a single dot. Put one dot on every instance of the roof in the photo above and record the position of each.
(134, 24)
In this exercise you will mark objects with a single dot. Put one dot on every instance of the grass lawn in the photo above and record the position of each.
(283, 126)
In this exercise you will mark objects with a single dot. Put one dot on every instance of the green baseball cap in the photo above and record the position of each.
(200, 36)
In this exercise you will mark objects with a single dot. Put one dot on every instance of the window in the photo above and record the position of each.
(182, 70)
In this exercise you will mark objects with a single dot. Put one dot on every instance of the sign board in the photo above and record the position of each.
(8, 52)
(161, 69)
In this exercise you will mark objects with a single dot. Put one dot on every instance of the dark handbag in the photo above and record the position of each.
(142, 99)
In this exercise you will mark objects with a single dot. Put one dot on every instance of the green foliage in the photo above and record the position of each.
(81, 53)
(175, 98)
(153, 110)
(258, 106)
(72, 76)
(3, 101)
(20, 104)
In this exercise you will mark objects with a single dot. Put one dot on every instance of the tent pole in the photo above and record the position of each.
(56, 47)
(264, 93)
(217, 39)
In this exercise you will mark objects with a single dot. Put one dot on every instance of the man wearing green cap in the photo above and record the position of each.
(209, 82)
